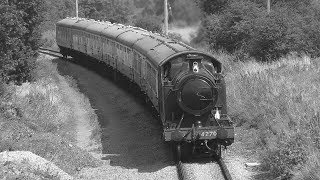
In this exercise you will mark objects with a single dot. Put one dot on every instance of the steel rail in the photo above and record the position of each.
(224, 169)
(183, 174)
(50, 52)
(181, 171)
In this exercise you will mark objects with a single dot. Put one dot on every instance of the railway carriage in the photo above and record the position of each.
(185, 86)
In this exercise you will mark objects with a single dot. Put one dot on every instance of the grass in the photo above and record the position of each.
(38, 117)
(279, 102)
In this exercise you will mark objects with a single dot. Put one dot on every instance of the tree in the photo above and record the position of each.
(109, 10)
(119, 11)
(19, 37)
(32, 12)
(150, 23)
(212, 6)
(57, 10)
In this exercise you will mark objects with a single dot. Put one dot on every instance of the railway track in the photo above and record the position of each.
(213, 170)
(50, 52)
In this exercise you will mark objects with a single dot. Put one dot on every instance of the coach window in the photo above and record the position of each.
(117, 50)
(121, 53)
(139, 64)
(79, 37)
(166, 71)
(107, 46)
(119, 47)
(153, 80)
(126, 55)
(149, 74)
(129, 56)
(110, 47)
(143, 66)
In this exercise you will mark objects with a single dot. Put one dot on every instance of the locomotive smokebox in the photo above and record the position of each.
(196, 95)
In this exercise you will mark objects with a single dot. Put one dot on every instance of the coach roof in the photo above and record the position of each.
(157, 48)
(68, 22)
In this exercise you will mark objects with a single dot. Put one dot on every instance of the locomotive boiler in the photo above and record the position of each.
(185, 86)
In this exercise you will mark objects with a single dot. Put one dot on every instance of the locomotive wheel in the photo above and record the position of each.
(183, 152)
(178, 153)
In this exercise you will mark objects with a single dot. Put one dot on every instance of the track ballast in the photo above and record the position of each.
(211, 170)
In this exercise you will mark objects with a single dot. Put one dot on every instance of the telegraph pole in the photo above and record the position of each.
(77, 10)
(268, 6)
(166, 17)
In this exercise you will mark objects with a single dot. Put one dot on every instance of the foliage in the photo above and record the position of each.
(278, 101)
(149, 23)
(39, 117)
(186, 11)
(175, 36)
(19, 38)
(107, 10)
(211, 6)
(57, 10)
(13, 52)
(32, 13)
(245, 26)
(179, 10)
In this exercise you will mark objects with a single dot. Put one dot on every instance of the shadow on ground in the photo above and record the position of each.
(131, 135)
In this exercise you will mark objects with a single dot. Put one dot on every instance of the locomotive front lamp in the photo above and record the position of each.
(217, 114)
(198, 124)
(195, 67)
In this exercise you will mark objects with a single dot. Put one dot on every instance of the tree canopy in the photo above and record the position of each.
(19, 38)
(118, 11)
(245, 27)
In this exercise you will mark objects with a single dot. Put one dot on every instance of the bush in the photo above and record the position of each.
(19, 38)
(175, 36)
(151, 23)
(245, 26)
(290, 154)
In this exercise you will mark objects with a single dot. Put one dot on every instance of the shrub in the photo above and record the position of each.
(245, 26)
(19, 37)
(175, 36)
(151, 23)
(290, 154)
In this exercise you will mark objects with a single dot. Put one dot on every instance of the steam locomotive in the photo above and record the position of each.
(185, 86)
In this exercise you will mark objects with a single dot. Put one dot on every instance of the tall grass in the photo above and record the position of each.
(40, 117)
(280, 102)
